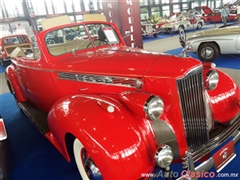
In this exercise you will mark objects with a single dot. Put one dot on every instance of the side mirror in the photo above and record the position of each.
(127, 33)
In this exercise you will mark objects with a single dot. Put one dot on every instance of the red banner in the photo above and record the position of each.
(126, 15)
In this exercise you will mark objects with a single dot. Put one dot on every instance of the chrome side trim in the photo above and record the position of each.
(101, 79)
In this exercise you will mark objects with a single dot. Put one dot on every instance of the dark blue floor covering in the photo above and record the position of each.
(2, 69)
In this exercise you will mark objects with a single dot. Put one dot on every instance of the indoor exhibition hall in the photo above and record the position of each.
(119, 89)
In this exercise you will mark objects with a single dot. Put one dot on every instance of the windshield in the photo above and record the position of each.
(15, 40)
(73, 38)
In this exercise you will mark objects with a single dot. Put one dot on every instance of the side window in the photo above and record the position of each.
(67, 40)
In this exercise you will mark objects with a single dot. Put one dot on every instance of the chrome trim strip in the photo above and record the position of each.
(101, 79)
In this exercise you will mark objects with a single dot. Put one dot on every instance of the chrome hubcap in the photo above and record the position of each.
(90, 167)
(207, 52)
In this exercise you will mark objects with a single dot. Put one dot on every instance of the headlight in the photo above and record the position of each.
(164, 156)
(212, 79)
(188, 45)
(154, 107)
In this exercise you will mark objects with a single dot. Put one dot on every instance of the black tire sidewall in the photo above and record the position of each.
(212, 46)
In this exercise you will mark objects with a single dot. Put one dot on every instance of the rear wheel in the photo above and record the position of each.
(208, 52)
(85, 164)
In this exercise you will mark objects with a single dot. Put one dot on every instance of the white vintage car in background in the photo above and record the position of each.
(182, 22)
(149, 29)
(209, 44)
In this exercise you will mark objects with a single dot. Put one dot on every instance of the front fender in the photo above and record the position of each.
(224, 98)
(120, 143)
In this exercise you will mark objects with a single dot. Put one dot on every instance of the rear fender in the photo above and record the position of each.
(118, 141)
(13, 84)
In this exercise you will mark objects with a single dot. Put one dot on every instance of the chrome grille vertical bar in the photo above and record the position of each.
(191, 96)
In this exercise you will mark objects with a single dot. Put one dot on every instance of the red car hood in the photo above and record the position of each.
(126, 61)
(206, 10)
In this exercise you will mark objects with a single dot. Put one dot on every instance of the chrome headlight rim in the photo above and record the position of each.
(188, 45)
(154, 107)
(212, 79)
(164, 156)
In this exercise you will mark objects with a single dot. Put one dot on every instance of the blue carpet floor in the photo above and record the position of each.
(2, 69)
(32, 156)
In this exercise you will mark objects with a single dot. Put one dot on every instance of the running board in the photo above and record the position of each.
(37, 116)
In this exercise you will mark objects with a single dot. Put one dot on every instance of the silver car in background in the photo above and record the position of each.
(210, 43)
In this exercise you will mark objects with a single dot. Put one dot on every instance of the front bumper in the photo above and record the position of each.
(190, 158)
(167, 30)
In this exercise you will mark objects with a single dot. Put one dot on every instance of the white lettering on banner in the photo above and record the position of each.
(109, 5)
(129, 2)
(110, 13)
(131, 28)
(130, 11)
(130, 21)
(131, 37)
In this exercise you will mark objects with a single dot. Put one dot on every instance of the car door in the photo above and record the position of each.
(34, 77)
(238, 43)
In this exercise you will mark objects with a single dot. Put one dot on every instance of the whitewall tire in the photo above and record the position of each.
(86, 167)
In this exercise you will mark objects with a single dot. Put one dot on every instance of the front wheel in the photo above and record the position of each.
(180, 29)
(86, 166)
(208, 52)
(199, 26)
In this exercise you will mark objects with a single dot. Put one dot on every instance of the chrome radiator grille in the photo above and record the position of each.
(192, 103)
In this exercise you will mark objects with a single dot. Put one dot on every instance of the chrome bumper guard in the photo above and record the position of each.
(191, 157)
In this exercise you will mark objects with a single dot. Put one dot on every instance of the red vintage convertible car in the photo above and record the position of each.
(128, 110)
(210, 16)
